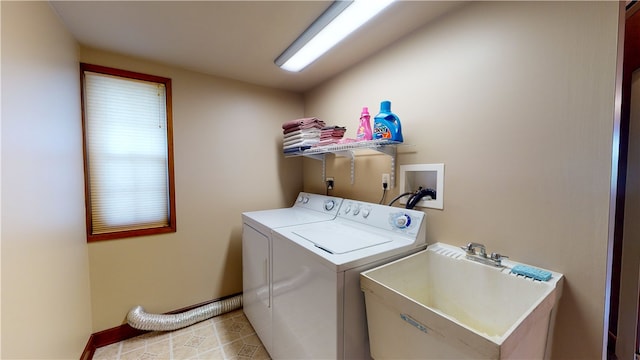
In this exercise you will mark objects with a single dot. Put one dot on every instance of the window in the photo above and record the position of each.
(128, 153)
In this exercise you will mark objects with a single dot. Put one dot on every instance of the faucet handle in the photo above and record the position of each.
(498, 257)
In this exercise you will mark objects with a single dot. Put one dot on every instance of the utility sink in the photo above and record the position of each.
(437, 304)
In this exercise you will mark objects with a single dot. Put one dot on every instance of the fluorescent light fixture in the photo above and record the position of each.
(336, 23)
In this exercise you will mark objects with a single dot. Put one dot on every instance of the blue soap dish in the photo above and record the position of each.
(534, 273)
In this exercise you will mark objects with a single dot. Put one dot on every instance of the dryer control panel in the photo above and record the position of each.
(316, 202)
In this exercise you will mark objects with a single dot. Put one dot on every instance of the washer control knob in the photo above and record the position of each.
(365, 213)
(347, 209)
(356, 211)
(402, 221)
(305, 199)
(299, 199)
(329, 205)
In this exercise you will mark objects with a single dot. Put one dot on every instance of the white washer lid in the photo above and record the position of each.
(341, 239)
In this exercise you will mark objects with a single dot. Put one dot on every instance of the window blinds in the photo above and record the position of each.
(126, 144)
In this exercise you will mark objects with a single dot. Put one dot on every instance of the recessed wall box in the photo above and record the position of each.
(427, 176)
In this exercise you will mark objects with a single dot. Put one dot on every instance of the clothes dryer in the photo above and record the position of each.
(318, 308)
(257, 262)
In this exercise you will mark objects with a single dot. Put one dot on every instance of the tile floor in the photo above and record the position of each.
(228, 336)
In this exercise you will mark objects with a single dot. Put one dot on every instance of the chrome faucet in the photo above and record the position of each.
(494, 259)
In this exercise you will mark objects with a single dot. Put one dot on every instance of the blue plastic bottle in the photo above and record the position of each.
(386, 124)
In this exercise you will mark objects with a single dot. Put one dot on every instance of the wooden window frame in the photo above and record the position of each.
(171, 227)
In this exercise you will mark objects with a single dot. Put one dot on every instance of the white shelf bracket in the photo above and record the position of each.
(353, 168)
(324, 169)
(392, 180)
(323, 158)
(352, 157)
(392, 151)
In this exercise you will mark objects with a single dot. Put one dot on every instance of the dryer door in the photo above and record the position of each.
(256, 282)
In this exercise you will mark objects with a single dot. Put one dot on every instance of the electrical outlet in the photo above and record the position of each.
(385, 181)
(330, 183)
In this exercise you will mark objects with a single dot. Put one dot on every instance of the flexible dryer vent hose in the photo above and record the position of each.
(141, 320)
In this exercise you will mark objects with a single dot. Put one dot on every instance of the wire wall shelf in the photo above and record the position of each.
(350, 150)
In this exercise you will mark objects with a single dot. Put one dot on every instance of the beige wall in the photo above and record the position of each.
(517, 100)
(46, 309)
(228, 160)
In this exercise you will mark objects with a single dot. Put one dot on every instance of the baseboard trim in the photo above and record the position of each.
(125, 331)
(108, 337)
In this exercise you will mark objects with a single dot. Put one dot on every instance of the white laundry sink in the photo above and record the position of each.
(436, 304)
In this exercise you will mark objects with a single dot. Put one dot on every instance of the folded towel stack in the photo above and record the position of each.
(331, 135)
(301, 134)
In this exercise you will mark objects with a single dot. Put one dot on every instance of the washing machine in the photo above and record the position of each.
(318, 309)
(257, 262)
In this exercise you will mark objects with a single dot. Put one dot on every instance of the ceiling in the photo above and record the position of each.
(235, 39)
